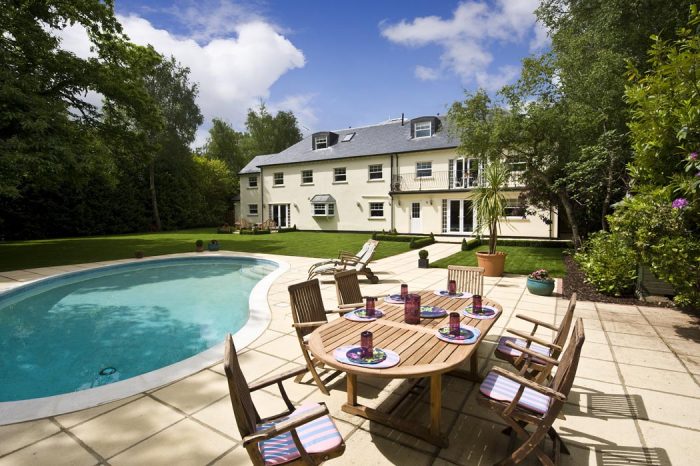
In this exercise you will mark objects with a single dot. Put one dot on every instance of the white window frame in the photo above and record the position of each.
(375, 172)
(512, 208)
(278, 180)
(252, 181)
(376, 210)
(320, 140)
(337, 173)
(252, 210)
(421, 127)
(422, 168)
(310, 174)
(323, 209)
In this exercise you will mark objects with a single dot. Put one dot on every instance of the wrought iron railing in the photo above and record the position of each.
(442, 180)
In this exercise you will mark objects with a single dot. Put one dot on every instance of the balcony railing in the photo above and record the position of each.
(444, 180)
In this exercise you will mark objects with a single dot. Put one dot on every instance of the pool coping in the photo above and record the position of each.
(258, 320)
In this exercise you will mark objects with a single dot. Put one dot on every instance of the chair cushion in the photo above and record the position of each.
(502, 388)
(512, 352)
(317, 436)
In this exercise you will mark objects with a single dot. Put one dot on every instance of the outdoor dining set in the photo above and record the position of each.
(419, 335)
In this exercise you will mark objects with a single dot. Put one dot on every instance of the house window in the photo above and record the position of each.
(517, 167)
(424, 169)
(422, 130)
(514, 208)
(375, 172)
(252, 210)
(307, 176)
(339, 175)
(348, 137)
(278, 179)
(252, 181)
(376, 209)
(325, 209)
(321, 142)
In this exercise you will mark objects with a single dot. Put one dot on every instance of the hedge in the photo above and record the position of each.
(533, 243)
(421, 242)
(287, 230)
(396, 238)
(246, 231)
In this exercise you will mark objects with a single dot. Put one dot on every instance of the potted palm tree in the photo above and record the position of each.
(490, 204)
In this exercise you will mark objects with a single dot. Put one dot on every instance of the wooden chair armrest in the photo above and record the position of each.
(318, 323)
(532, 353)
(286, 426)
(319, 264)
(276, 378)
(350, 306)
(527, 336)
(532, 320)
(529, 383)
(342, 255)
(339, 311)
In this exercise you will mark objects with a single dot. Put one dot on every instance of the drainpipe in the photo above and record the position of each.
(262, 195)
(391, 183)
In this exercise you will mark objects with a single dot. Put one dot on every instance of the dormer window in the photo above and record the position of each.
(422, 129)
(321, 142)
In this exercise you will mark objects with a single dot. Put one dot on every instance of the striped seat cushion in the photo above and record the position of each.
(502, 388)
(508, 351)
(317, 436)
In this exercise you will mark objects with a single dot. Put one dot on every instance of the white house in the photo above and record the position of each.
(401, 174)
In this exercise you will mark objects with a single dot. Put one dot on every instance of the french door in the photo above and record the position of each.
(280, 214)
(460, 216)
(465, 173)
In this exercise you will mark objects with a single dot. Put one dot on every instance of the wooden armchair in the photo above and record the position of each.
(510, 348)
(306, 435)
(522, 402)
(309, 313)
(347, 289)
(469, 279)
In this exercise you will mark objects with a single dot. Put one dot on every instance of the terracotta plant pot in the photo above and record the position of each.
(493, 264)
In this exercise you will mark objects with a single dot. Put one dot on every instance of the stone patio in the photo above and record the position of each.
(636, 398)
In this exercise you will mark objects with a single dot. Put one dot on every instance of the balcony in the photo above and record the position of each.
(441, 181)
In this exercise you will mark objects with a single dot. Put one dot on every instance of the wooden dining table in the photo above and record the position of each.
(422, 355)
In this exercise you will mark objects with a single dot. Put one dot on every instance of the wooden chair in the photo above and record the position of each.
(522, 402)
(535, 368)
(306, 435)
(346, 262)
(347, 289)
(309, 313)
(469, 279)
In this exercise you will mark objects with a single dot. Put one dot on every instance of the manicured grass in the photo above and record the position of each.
(521, 260)
(17, 255)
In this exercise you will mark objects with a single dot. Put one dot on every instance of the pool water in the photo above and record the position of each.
(96, 327)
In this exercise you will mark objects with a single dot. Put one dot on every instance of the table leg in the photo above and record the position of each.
(435, 403)
(474, 365)
(352, 389)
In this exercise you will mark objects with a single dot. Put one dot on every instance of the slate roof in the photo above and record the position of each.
(324, 198)
(385, 138)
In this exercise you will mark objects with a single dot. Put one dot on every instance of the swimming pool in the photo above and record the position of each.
(93, 328)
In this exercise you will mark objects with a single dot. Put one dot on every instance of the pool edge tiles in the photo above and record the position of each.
(258, 320)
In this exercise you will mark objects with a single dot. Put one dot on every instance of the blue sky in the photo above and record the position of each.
(336, 64)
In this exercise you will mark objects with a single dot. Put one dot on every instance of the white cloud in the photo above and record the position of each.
(465, 38)
(425, 73)
(301, 106)
(233, 73)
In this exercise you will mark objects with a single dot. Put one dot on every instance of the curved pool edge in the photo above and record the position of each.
(259, 318)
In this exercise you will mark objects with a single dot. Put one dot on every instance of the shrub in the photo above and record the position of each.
(199, 243)
(423, 254)
(287, 230)
(609, 263)
(421, 242)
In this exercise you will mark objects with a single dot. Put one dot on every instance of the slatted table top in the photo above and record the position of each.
(421, 352)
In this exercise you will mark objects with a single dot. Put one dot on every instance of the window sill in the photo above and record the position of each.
(322, 215)
(376, 180)
(278, 186)
(376, 218)
(340, 182)
(306, 184)
(252, 215)
(252, 187)
(429, 177)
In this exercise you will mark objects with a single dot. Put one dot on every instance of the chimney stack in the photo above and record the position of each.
(401, 118)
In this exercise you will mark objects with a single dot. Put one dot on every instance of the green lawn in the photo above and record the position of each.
(520, 260)
(17, 255)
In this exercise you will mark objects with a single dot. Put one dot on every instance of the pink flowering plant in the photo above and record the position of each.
(540, 274)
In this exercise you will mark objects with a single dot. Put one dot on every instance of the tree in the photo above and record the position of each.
(268, 134)
(227, 145)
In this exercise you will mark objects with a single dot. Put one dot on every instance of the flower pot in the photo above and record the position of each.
(423, 263)
(493, 264)
(540, 287)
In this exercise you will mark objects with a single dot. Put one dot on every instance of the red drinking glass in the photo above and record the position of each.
(454, 324)
(476, 303)
(404, 291)
(366, 344)
(411, 310)
(369, 305)
(451, 287)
